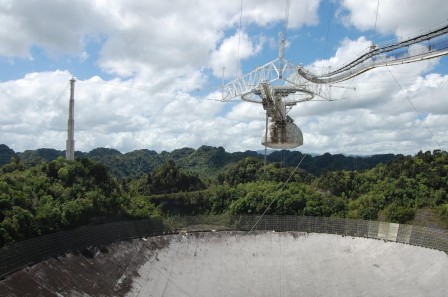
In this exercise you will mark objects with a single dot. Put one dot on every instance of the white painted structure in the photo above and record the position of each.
(70, 143)
(279, 85)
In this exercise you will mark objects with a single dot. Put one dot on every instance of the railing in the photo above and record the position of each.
(28, 252)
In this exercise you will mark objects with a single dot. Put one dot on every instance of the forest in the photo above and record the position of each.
(206, 161)
(40, 197)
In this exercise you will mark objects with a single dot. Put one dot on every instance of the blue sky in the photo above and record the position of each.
(146, 70)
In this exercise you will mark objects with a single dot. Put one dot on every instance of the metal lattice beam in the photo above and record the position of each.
(302, 85)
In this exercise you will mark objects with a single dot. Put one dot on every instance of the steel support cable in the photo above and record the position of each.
(239, 40)
(58, 99)
(328, 32)
(279, 191)
(306, 13)
(122, 84)
(376, 19)
(266, 141)
(389, 48)
(285, 30)
(276, 194)
(415, 109)
(62, 93)
(156, 91)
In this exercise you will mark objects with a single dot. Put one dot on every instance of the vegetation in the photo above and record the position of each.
(393, 191)
(6, 154)
(60, 195)
(42, 197)
(208, 162)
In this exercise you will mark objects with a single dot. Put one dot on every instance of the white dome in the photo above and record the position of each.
(282, 136)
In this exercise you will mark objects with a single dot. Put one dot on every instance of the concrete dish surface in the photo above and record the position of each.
(239, 264)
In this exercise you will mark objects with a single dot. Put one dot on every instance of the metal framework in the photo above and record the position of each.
(279, 84)
(428, 45)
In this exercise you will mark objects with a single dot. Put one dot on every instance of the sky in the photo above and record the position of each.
(149, 74)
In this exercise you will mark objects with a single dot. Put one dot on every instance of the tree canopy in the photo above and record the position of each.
(207, 161)
(41, 198)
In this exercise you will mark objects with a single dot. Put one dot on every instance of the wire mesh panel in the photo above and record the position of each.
(302, 224)
(363, 228)
(37, 249)
(392, 231)
(418, 236)
(383, 230)
(338, 226)
(267, 223)
(373, 229)
(351, 227)
(34, 250)
(404, 233)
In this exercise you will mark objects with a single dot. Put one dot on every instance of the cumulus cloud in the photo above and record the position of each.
(399, 17)
(57, 26)
(231, 51)
(266, 12)
(134, 36)
(160, 65)
(107, 113)
(395, 108)
(385, 109)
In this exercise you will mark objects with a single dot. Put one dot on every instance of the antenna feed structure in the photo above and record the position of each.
(280, 85)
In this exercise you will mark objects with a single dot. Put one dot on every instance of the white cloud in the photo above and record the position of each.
(116, 113)
(246, 111)
(266, 12)
(346, 52)
(56, 26)
(161, 59)
(378, 117)
(400, 17)
(378, 111)
(232, 51)
(134, 36)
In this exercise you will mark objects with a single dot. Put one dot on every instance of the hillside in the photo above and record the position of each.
(206, 161)
(57, 195)
(6, 154)
(396, 191)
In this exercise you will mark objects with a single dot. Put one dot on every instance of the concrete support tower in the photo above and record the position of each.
(70, 145)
